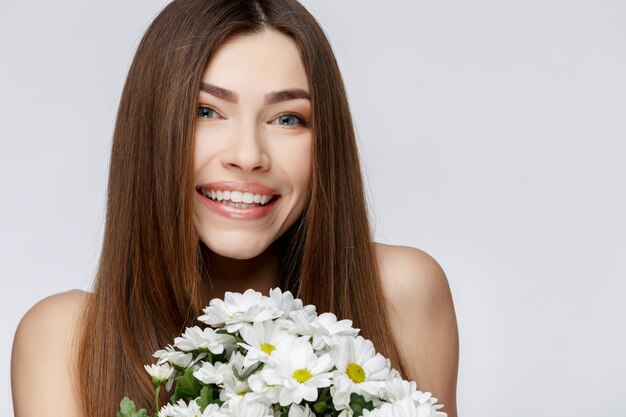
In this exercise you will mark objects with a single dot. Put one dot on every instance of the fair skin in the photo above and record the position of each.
(252, 128)
(252, 141)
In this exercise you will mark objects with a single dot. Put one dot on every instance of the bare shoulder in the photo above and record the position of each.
(408, 273)
(43, 356)
(53, 315)
(422, 319)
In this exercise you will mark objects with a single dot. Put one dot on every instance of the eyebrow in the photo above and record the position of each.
(284, 95)
(220, 92)
(270, 98)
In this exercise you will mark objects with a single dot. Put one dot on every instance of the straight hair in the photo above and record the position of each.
(152, 275)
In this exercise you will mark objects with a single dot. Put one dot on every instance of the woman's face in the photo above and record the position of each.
(252, 144)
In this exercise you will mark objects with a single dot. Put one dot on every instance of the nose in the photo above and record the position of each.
(246, 150)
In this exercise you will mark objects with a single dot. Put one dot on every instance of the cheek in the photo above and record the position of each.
(198, 152)
(298, 166)
(204, 149)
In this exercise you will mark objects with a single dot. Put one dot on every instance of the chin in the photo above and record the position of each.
(236, 253)
(240, 248)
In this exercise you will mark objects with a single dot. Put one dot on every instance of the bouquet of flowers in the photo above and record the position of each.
(272, 356)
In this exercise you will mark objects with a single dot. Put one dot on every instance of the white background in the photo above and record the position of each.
(492, 134)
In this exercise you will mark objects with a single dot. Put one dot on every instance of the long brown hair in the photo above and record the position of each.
(152, 273)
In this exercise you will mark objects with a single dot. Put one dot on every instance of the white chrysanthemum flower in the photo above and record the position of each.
(237, 309)
(298, 373)
(182, 409)
(174, 410)
(196, 338)
(160, 373)
(394, 373)
(233, 387)
(385, 410)
(299, 411)
(360, 369)
(323, 329)
(397, 388)
(289, 354)
(405, 408)
(346, 412)
(335, 328)
(246, 407)
(176, 358)
(212, 374)
(261, 391)
(285, 302)
(426, 401)
(301, 324)
(263, 338)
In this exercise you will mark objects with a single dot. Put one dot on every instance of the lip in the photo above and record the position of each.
(235, 213)
(251, 187)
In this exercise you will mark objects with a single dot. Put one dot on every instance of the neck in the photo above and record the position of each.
(259, 273)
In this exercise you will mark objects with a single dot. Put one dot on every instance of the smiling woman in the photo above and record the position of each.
(253, 144)
(240, 171)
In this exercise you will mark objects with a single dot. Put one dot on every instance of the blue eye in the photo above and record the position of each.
(205, 112)
(289, 120)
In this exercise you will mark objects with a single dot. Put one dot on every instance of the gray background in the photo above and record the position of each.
(492, 134)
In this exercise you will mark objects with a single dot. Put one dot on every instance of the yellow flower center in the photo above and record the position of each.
(355, 372)
(301, 375)
(267, 348)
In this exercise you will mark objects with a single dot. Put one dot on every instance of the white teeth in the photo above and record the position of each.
(237, 199)
(236, 196)
(240, 205)
(247, 197)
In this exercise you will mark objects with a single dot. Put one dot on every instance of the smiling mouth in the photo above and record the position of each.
(238, 199)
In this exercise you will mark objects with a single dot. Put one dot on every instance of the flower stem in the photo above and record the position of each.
(156, 397)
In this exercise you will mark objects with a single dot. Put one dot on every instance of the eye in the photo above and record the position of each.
(289, 120)
(205, 112)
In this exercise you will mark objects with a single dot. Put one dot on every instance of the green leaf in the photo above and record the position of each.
(128, 409)
(236, 335)
(206, 397)
(358, 404)
(248, 372)
(320, 407)
(202, 354)
(323, 394)
(187, 386)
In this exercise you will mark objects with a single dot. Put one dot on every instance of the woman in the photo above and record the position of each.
(234, 165)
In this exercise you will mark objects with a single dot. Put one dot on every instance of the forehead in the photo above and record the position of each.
(259, 62)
